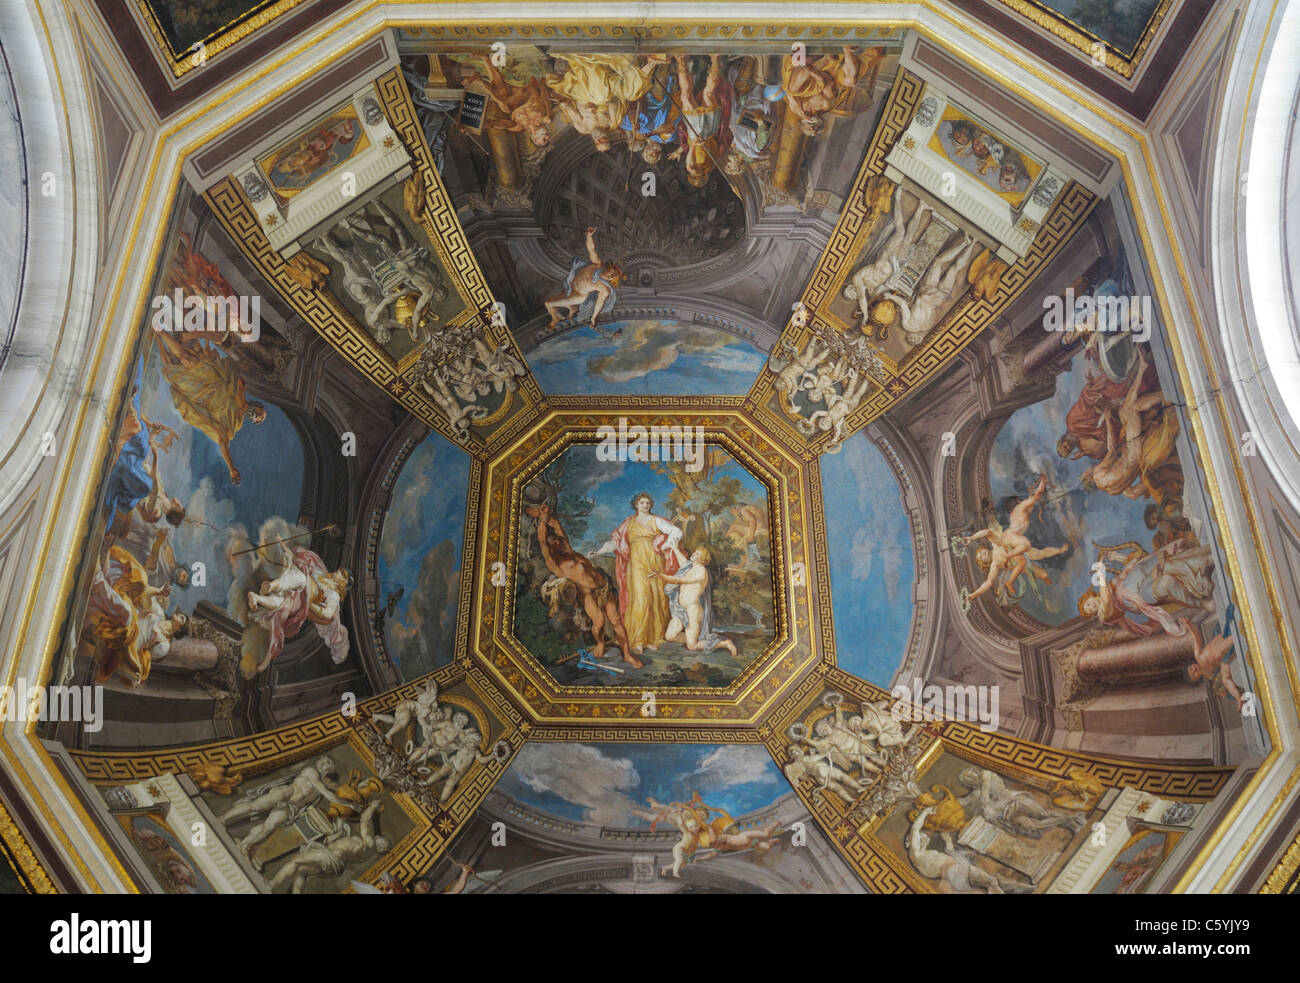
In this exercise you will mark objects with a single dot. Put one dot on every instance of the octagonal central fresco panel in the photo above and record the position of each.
(636, 570)
(657, 548)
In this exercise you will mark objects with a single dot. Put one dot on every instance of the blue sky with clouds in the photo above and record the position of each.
(620, 480)
(869, 543)
(427, 507)
(607, 783)
(269, 457)
(659, 357)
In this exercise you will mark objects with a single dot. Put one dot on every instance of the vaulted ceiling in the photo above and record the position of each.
(760, 457)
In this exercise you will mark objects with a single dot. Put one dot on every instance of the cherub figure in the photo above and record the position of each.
(847, 743)
(971, 141)
(701, 829)
(458, 758)
(461, 417)
(590, 285)
(421, 710)
(443, 731)
(824, 385)
(791, 365)
(1010, 549)
(878, 720)
(1213, 657)
(838, 407)
(823, 773)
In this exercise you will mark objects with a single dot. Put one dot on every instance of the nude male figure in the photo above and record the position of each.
(843, 748)
(596, 277)
(445, 732)
(598, 599)
(329, 858)
(1010, 548)
(919, 316)
(458, 760)
(424, 710)
(1210, 657)
(863, 285)
(277, 805)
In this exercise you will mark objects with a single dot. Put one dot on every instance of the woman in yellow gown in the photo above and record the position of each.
(644, 543)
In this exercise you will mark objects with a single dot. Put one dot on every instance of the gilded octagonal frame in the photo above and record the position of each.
(802, 623)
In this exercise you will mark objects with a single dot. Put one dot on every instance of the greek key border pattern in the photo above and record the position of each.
(321, 310)
(960, 326)
(821, 571)
(839, 252)
(443, 229)
(1185, 782)
(884, 872)
(262, 753)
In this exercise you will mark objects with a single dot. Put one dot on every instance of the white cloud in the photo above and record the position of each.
(734, 764)
(736, 358)
(582, 775)
(405, 514)
(883, 530)
(569, 345)
(425, 498)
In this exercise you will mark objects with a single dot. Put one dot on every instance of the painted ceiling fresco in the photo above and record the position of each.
(686, 457)
(1121, 25)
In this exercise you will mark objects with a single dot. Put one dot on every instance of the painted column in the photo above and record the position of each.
(789, 151)
(1138, 658)
(505, 155)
